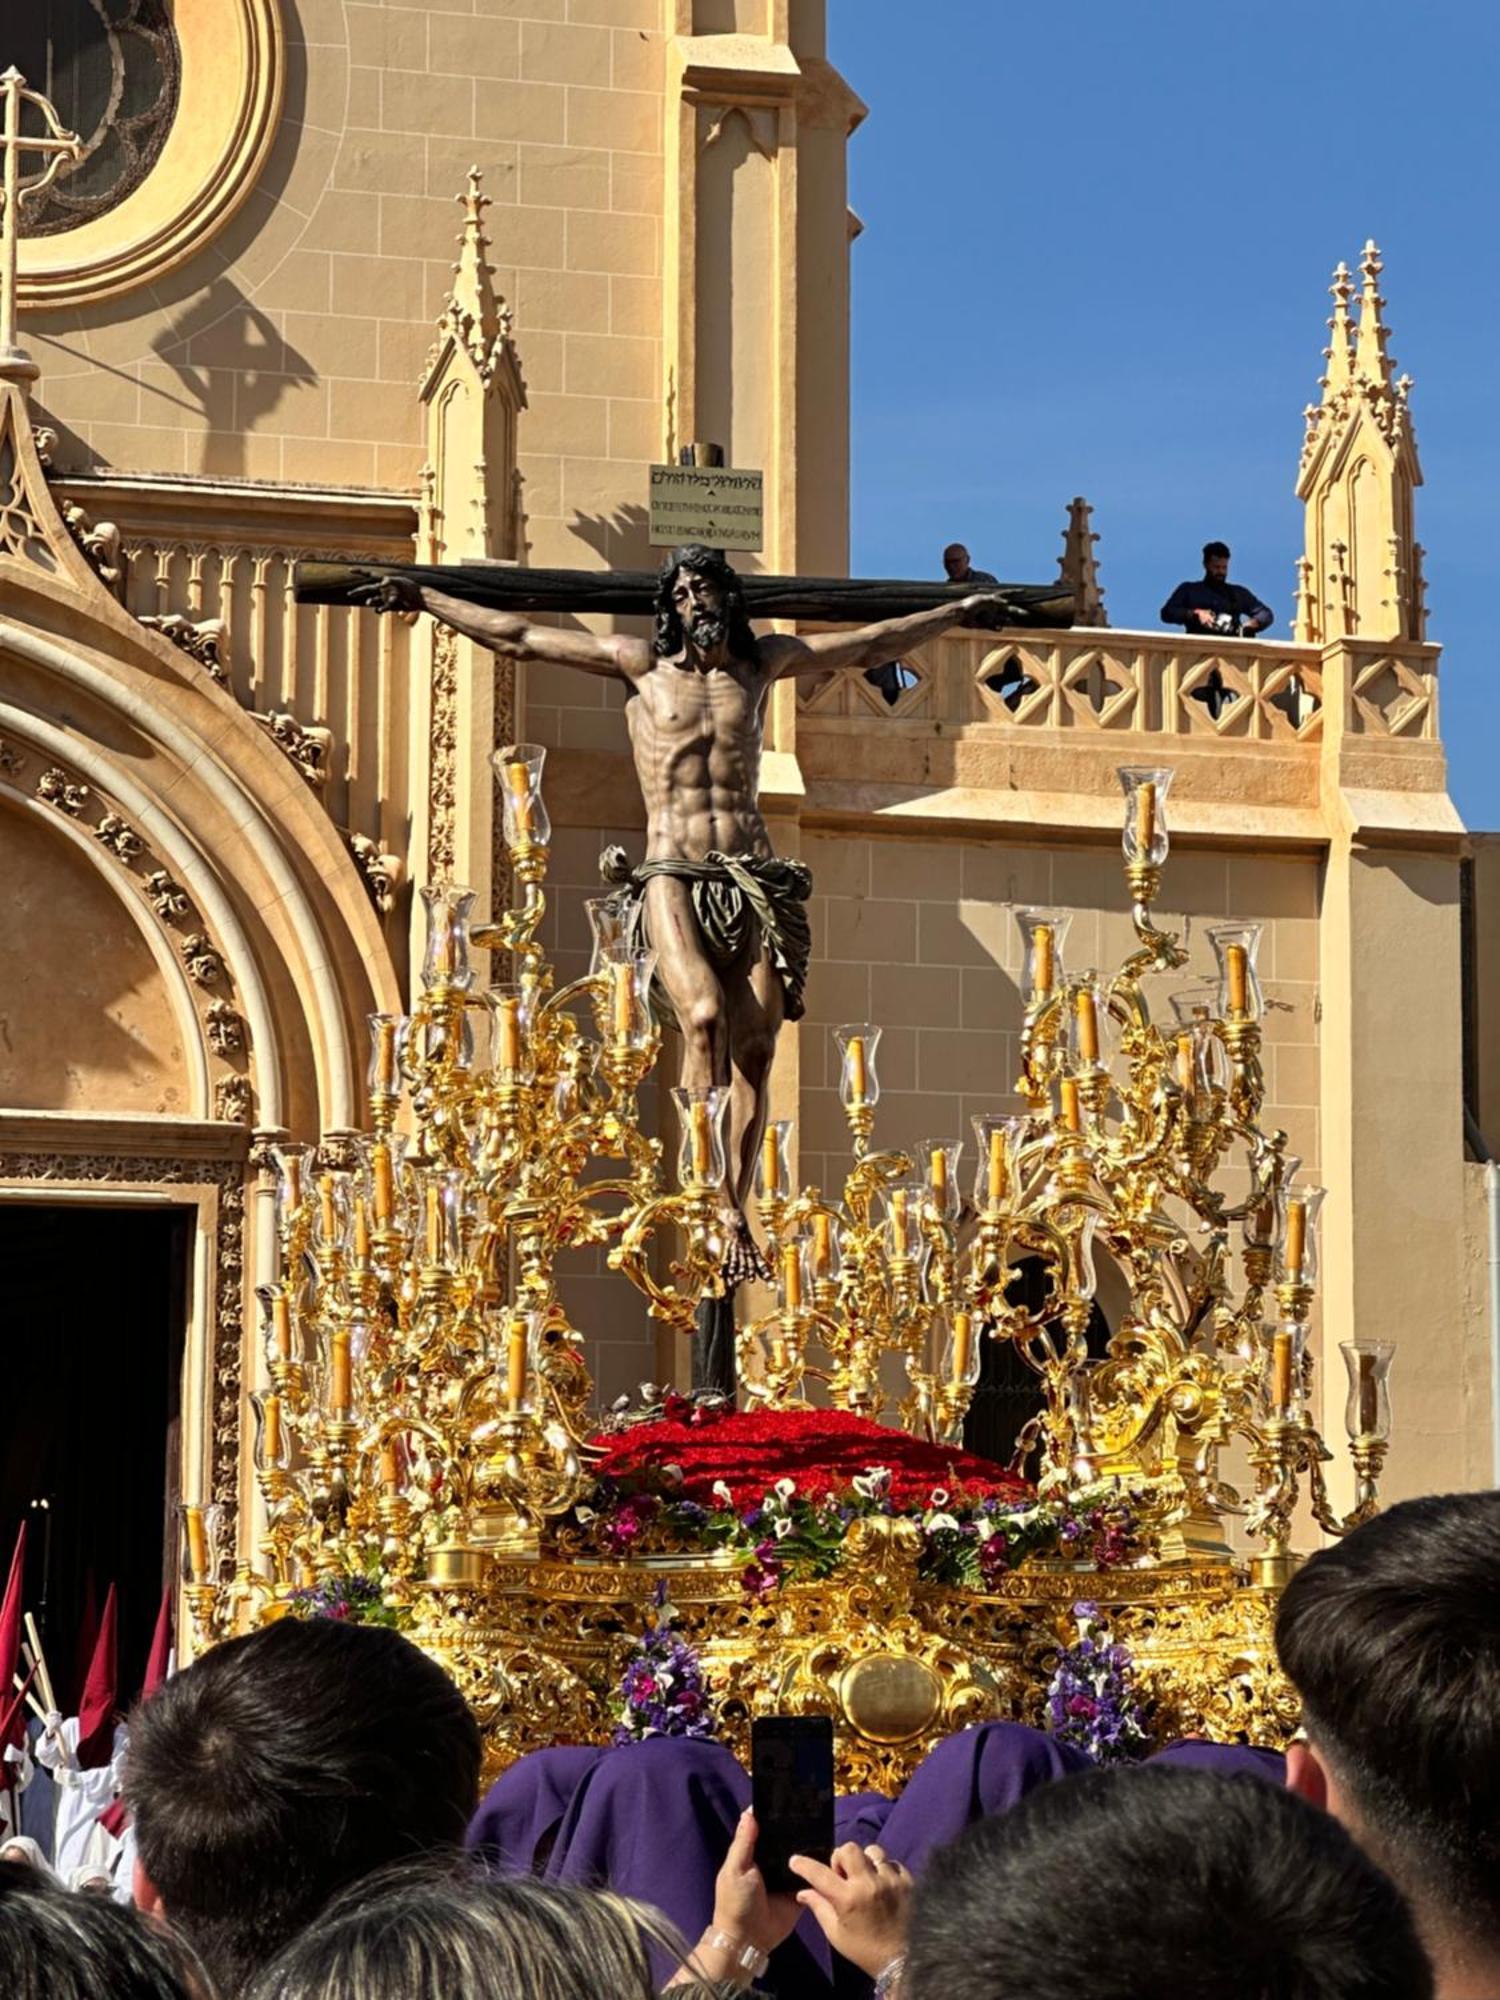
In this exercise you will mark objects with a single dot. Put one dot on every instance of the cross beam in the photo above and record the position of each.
(55, 145)
(625, 593)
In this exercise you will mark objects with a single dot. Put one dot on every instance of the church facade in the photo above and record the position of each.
(402, 282)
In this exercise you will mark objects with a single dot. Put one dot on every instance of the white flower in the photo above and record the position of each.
(938, 1497)
(722, 1493)
(782, 1526)
(583, 1515)
(874, 1484)
(784, 1489)
(940, 1520)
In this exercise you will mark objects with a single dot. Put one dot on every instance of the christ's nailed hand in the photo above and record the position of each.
(388, 593)
(988, 609)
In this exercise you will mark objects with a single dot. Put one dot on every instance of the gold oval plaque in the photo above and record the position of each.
(890, 1698)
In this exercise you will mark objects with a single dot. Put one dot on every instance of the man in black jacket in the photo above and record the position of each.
(1214, 604)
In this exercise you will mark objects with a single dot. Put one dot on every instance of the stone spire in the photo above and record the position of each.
(1360, 575)
(1077, 567)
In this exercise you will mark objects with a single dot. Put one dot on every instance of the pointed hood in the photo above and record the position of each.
(159, 1659)
(100, 1698)
(12, 1722)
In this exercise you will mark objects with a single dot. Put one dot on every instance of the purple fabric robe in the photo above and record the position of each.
(519, 1815)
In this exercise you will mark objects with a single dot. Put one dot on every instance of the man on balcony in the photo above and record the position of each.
(1214, 604)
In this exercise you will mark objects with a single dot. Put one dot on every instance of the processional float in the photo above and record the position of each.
(426, 1437)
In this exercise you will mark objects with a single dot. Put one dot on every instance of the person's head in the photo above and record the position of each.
(1140, 1882)
(956, 562)
(1392, 1639)
(425, 1935)
(1216, 561)
(281, 1767)
(58, 1946)
(698, 597)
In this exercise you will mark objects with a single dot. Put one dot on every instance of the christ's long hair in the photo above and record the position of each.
(700, 561)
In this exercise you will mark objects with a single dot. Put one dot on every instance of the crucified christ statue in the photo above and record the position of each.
(725, 916)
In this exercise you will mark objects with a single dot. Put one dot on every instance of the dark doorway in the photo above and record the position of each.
(1008, 1395)
(93, 1307)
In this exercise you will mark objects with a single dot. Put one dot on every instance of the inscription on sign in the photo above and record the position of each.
(707, 503)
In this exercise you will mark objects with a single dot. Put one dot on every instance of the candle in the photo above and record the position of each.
(822, 1245)
(197, 1539)
(510, 1032)
(963, 1344)
(1072, 1122)
(1263, 1222)
(854, 1059)
(997, 1166)
(770, 1164)
(515, 1365)
(791, 1277)
(702, 1142)
(390, 1469)
(1145, 819)
(938, 1170)
(361, 1230)
(1043, 961)
(385, 1055)
(270, 1436)
(1368, 1396)
(385, 1184)
(1281, 1373)
(281, 1325)
(899, 1221)
(1088, 1025)
(434, 1224)
(442, 944)
(622, 981)
(1296, 1238)
(518, 778)
(291, 1181)
(328, 1221)
(341, 1371)
(1236, 971)
(1186, 1067)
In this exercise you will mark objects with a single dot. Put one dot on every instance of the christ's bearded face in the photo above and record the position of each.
(699, 603)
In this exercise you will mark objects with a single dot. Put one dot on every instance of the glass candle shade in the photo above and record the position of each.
(386, 1039)
(606, 926)
(1281, 1375)
(774, 1172)
(573, 1077)
(435, 1237)
(998, 1139)
(700, 1150)
(276, 1327)
(961, 1358)
(519, 1359)
(1088, 1020)
(445, 961)
(937, 1163)
(333, 1213)
(272, 1448)
(1146, 838)
(292, 1170)
(1297, 1235)
(1043, 933)
(518, 773)
(387, 1193)
(1193, 1004)
(203, 1546)
(512, 1007)
(821, 1253)
(1079, 1226)
(1235, 947)
(903, 1218)
(622, 1011)
(1367, 1413)
(858, 1082)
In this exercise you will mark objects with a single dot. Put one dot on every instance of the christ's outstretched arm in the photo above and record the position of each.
(873, 645)
(509, 633)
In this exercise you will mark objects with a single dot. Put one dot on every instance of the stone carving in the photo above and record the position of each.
(165, 897)
(201, 959)
(58, 790)
(100, 543)
(309, 748)
(233, 1100)
(119, 838)
(442, 755)
(384, 874)
(12, 763)
(205, 640)
(224, 1028)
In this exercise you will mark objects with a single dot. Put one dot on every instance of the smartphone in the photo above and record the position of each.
(791, 1778)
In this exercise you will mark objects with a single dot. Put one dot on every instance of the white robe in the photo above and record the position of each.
(78, 1840)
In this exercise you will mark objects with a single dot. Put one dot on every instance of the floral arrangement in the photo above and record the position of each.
(359, 1600)
(663, 1691)
(1091, 1699)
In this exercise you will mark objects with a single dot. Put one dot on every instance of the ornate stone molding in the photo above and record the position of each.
(309, 748)
(205, 640)
(384, 874)
(442, 781)
(225, 1335)
(233, 77)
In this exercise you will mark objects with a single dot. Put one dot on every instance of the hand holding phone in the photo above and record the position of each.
(791, 1776)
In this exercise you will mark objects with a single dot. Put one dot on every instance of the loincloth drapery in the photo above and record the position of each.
(738, 899)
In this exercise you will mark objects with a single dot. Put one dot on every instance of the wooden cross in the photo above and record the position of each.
(58, 146)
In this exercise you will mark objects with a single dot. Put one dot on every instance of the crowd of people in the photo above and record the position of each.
(304, 1812)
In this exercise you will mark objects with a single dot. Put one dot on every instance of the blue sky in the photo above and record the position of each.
(1097, 243)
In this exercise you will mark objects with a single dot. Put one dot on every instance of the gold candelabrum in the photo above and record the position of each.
(427, 1398)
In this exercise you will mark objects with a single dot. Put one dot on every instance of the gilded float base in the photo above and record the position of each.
(539, 1648)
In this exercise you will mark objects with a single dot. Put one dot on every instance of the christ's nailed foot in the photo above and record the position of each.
(743, 1263)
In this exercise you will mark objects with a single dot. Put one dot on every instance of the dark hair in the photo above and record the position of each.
(58, 1946)
(1392, 1639)
(1139, 1882)
(280, 1767)
(700, 561)
(421, 1934)
(1215, 549)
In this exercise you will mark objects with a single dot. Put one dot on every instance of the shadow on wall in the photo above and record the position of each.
(236, 367)
(620, 538)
